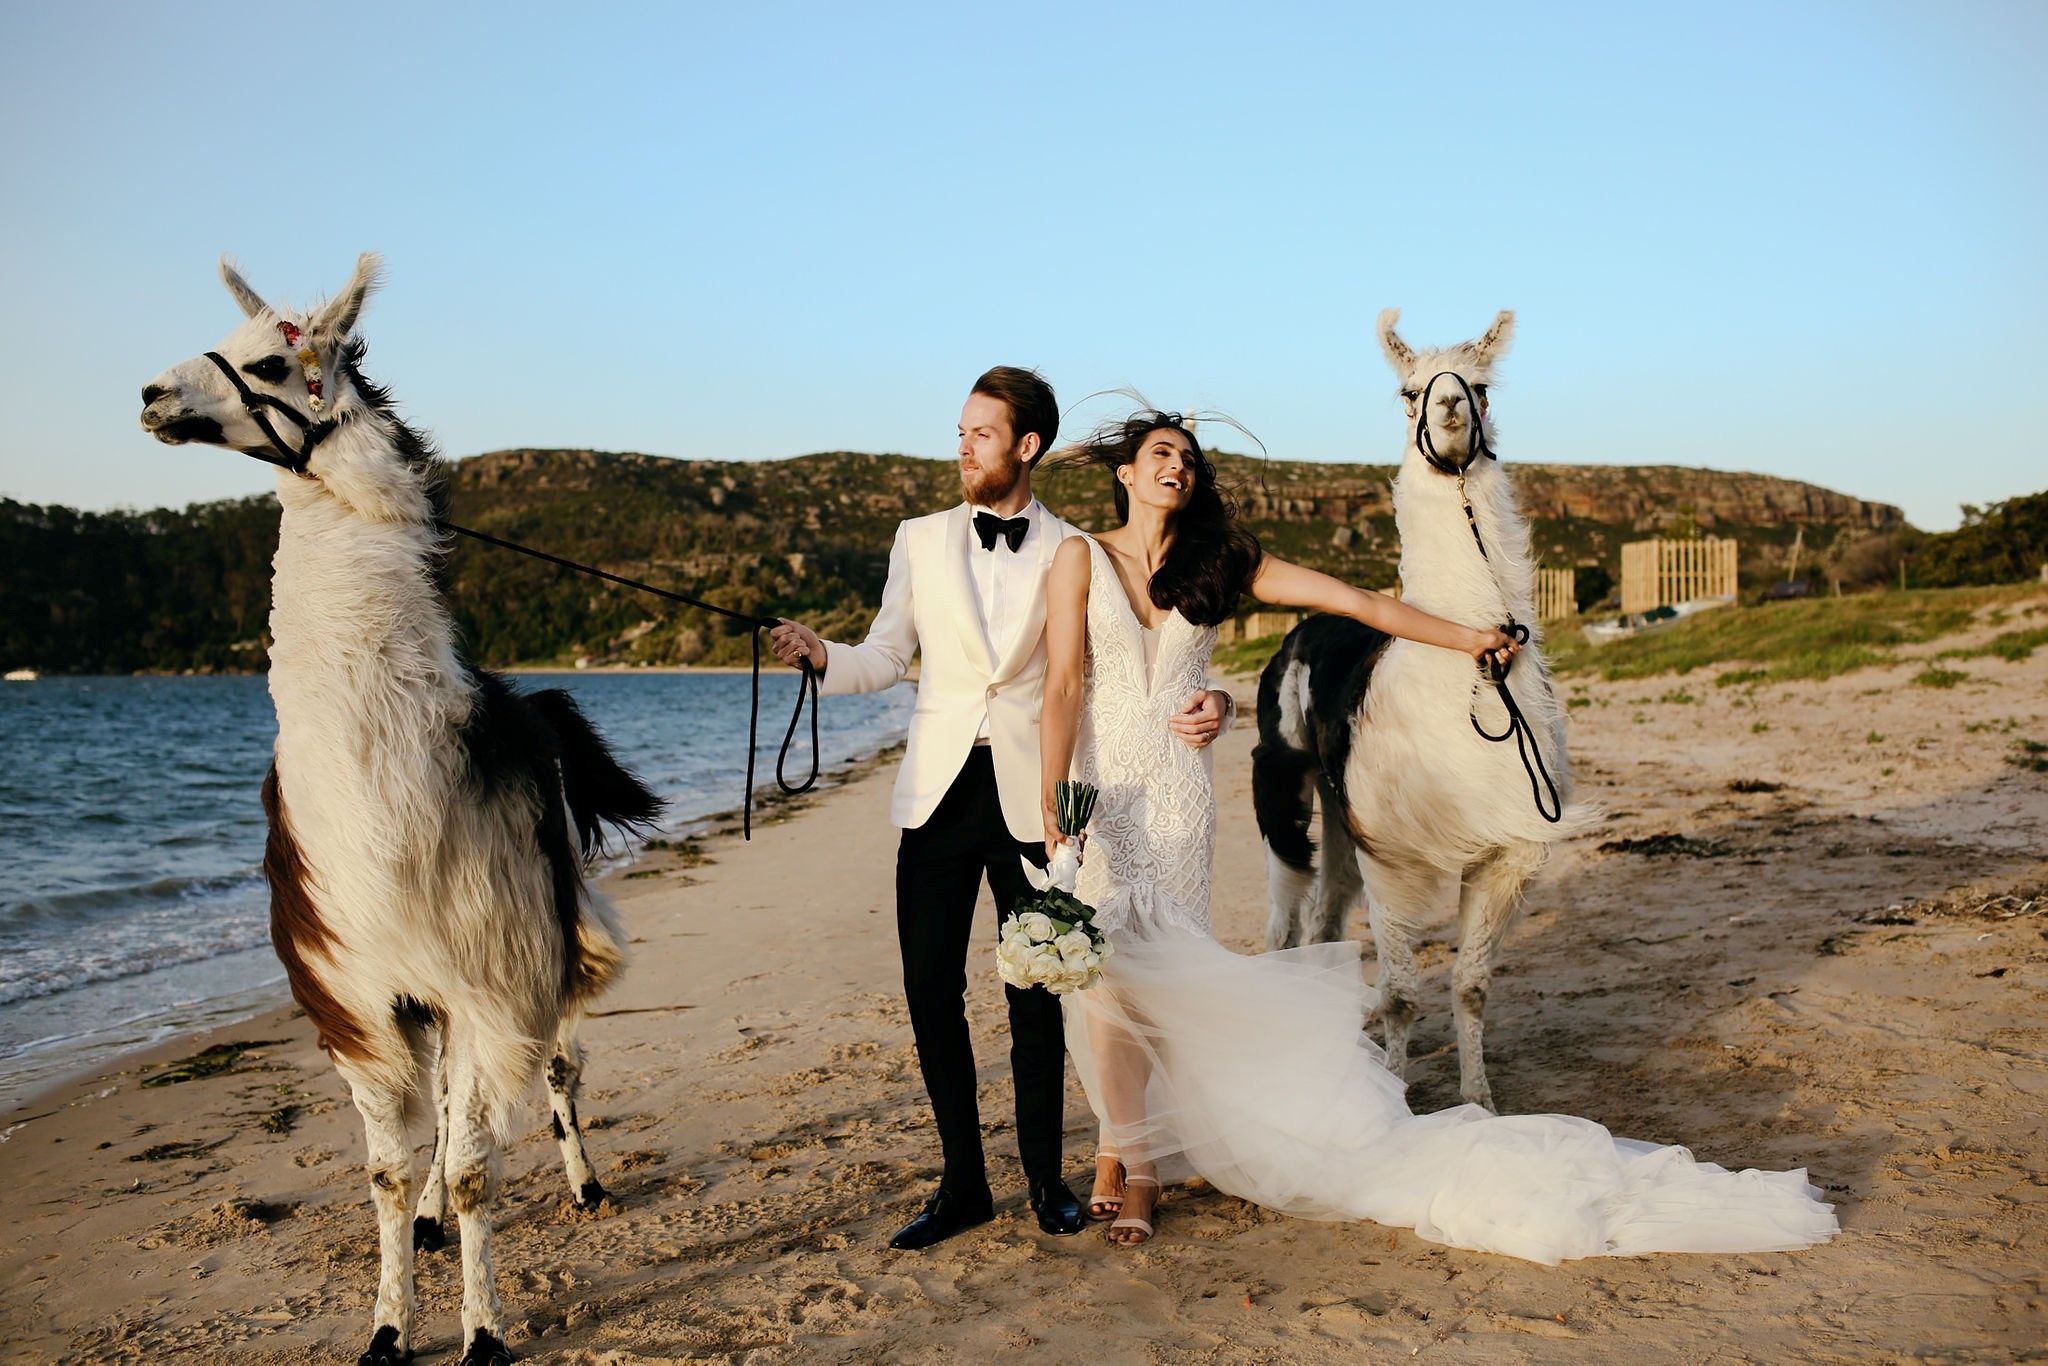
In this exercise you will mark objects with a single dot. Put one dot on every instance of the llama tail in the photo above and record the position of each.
(599, 791)
(597, 787)
(1282, 783)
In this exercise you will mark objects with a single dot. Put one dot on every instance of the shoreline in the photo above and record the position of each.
(271, 1000)
(1807, 936)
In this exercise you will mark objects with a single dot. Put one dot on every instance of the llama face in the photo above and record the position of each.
(193, 401)
(1451, 418)
(289, 366)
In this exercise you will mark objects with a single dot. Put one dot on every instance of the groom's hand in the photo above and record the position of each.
(792, 642)
(1200, 721)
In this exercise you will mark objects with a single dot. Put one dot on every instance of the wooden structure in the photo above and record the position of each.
(1555, 594)
(1662, 573)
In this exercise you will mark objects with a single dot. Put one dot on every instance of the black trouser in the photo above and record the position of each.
(939, 867)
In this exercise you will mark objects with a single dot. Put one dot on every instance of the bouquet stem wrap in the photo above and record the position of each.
(1050, 939)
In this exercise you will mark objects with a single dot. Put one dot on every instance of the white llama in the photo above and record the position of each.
(1383, 734)
(429, 826)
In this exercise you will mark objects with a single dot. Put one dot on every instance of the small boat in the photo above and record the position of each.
(1636, 623)
(22, 675)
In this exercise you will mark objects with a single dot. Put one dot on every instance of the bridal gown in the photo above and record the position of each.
(1254, 1072)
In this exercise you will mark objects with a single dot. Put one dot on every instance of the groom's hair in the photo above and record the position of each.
(1029, 399)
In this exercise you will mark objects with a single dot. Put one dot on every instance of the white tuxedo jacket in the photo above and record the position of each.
(929, 606)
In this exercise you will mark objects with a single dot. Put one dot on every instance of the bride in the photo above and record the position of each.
(1253, 1072)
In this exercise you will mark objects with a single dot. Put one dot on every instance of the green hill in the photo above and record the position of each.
(806, 537)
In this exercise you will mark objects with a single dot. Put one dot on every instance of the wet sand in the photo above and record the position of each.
(1818, 937)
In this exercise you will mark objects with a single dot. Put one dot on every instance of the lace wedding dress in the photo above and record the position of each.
(1254, 1073)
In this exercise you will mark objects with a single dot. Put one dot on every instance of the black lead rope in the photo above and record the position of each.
(295, 459)
(807, 689)
(1496, 672)
(1519, 731)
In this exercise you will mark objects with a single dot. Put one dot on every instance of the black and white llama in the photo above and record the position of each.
(1416, 806)
(429, 826)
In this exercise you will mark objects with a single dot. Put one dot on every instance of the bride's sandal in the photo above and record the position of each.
(1107, 1199)
(1132, 1230)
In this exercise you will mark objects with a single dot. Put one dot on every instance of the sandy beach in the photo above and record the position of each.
(1817, 936)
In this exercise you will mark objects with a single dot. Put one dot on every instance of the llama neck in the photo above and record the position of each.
(362, 647)
(1442, 569)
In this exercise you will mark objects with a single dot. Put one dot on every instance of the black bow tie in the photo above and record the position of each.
(988, 526)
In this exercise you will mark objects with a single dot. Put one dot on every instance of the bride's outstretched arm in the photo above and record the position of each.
(1066, 643)
(1291, 585)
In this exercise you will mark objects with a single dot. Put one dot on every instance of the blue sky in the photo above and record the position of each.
(1800, 239)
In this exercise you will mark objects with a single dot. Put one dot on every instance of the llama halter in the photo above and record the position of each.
(313, 432)
(1475, 403)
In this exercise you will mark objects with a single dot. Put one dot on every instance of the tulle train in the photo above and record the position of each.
(1253, 1073)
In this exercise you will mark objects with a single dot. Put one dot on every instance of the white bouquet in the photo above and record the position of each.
(1050, 939)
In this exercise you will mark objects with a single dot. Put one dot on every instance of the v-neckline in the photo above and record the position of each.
(1147, 667)
(1125, 593)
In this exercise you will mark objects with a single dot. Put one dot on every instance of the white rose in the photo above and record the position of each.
(1038, 925)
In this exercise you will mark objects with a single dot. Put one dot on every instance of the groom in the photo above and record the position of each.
(966, 590)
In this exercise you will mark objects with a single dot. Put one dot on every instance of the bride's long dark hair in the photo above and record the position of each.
(1214, 556)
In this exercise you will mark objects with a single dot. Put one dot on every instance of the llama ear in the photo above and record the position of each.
(251, 303)
(1399, 354)
(1494, 344)
(337, 317)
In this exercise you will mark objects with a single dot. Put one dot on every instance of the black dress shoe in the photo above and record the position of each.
(1057, 1209)
(945, 1214)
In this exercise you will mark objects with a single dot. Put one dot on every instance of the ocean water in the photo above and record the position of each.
(131, 832)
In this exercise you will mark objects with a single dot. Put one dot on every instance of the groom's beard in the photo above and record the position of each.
(985, 487)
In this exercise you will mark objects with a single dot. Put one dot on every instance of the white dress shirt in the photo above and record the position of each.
(1005, 581)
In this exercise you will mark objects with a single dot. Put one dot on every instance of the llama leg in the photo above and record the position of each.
(1490, 894)
(1287, 891)
(565, 1077)
(1398, 896)
(430, 1218)
(1282, 796)
(390, 1166)
(1338, 888)
(472, 1190)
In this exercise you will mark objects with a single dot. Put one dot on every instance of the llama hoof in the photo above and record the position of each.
(428, 1235)
(1482, 1096)
(384, 1350)
(486, 1350)
(591, 1196)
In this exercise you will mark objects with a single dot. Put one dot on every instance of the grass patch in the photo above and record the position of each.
(1754, 785)
(2030, 755)
(1934, 676)
(2013, 646)
(1679, 697)
(1573, 704)
(1247, 656)
(1811, 639)
(1759, 727)
(1735, 678)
